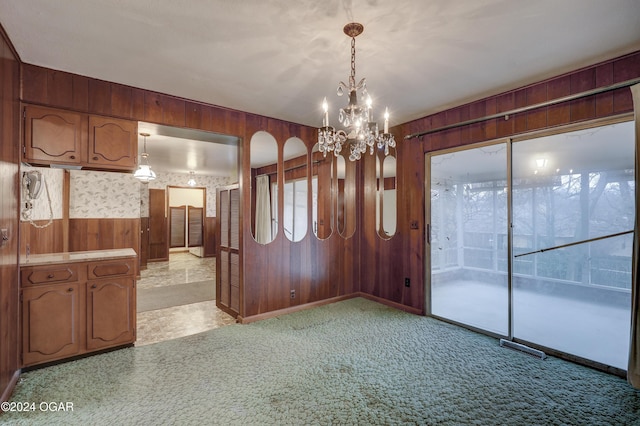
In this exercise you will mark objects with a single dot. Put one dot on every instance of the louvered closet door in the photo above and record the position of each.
(228, 261)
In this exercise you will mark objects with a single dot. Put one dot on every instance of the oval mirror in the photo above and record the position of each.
(295, 214)
(345, 175)
(321, 194)
(264, 187)
(387, 197)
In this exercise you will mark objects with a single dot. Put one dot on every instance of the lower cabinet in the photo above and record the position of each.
(94, 309)
(110, 310)
(50, 322)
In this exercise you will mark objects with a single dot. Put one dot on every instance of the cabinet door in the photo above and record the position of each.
(53, 136)
(50, 322)
(113, 143)
(110, 313)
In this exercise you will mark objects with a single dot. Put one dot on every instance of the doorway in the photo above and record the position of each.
(531, 240)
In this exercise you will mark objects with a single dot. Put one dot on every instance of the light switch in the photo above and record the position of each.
(4, 234)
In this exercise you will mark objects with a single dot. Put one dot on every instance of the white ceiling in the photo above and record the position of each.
(279, 58)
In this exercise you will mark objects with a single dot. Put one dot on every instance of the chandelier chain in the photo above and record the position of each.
(352, 78)
(361, 133)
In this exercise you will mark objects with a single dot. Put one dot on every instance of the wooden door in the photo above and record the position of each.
(50, 322)
(228, 258)
(110, 313)
(158, 241)
(113, 143)
(53, 136)
(195, 228)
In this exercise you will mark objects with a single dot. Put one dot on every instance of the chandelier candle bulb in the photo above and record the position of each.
(386, 120)
(325, 108)
(361, 133)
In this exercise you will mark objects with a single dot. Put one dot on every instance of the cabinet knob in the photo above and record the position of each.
(73, 157)
(70, 289)
(94, 286)
(50, 276)
(95, 158)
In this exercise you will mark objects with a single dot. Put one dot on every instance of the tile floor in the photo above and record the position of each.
(177, 321)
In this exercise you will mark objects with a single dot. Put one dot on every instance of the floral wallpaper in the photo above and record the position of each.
(103, 195)
(165, 179)
(110, 195)
(53, 184)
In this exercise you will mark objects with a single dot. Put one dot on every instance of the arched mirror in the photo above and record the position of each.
(321, 194)
(264, 187)
(386, 205)
(345, 175)
(295, 214)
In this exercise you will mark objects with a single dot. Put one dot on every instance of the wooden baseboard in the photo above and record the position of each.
(10, 387)
(273, 314)
(396, 305)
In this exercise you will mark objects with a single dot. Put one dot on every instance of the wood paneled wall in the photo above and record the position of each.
(269, 272)
(210, 236)
(9, 199)
(43, 240)
(322, 269)
(387, 263)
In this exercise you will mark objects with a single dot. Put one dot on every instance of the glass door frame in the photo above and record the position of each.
(428, 230)
(427, 240)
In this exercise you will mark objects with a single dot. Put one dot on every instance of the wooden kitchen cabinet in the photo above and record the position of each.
(75, 306)
(53, 136)
(110, 312)
(51, 327)
(113, 143)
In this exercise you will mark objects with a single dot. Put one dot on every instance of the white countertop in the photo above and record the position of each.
(75, 256)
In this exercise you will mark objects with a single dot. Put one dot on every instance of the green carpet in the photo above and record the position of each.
(352, 362)
(150, 299)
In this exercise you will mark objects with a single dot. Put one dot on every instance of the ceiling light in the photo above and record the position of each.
(361, 132)
(144, 172)
(192, 179)
(541, 162)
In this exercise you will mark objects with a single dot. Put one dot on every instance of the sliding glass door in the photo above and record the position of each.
(561, 278)
(468, 236)
(573, 213)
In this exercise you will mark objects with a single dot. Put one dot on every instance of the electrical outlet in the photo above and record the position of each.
(407, 282)
(293, 294)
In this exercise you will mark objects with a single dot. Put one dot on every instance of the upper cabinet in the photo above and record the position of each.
(53, 136)
(113, 143)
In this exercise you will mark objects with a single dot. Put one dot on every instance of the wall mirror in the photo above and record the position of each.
(263, 157)
(345, 182)
(386, 205)
(321, 194)
(295, 214)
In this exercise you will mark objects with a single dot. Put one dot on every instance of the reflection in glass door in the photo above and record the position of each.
(573, 213)
(468, 237)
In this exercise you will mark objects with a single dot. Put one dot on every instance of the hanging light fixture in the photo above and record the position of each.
(144, 172)
(192, 178)
(361, 132)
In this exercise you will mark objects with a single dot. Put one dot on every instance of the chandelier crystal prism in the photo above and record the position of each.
(361, 131)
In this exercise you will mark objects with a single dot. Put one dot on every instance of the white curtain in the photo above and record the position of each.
(263, 210)
(633, 370)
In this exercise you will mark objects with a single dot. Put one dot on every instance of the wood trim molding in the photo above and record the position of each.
(390, 303)
(10, 387)
(289, 310)
(5, 36)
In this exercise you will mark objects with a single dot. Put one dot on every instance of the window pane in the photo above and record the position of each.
(469, 237)
(567, 189)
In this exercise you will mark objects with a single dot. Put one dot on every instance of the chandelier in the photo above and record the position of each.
(361, 131)
(144, 172)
